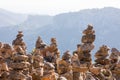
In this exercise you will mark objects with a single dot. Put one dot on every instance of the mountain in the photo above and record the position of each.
(10, 19)
(36, 21)
(67, 28)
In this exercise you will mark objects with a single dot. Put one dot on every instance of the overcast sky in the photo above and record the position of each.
(53, 7)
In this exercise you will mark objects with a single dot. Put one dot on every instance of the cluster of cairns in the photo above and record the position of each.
(44, 63)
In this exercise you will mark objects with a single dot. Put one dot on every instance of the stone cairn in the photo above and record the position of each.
(64, 66)
(40, 45)
(115, 63)
(52, 52)
(20, 66)
(4, 70)
(101, 56)
(49, 72)
(84, 50)
(102, 64)
(37, 65)
(83, 53)
(5, 60)
(87, 45)
(19, 42)
(38, 59)
(44, 62)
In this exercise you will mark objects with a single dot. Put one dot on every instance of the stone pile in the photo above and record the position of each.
(64, 66)
(115, 63)
(101, 56)
(19, 42)
(87, 45)
(37, 65)
(20, 65)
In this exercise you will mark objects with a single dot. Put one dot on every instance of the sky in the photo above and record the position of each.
(53, 7)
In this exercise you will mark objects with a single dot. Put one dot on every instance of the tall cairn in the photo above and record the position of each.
(40, 46)
(81, 60)
(20, 65)
(37, 65)
(87, 45)
(19, 42)
(115, 63)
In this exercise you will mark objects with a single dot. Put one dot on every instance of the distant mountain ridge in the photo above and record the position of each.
(36, 21)
(10, 19)
(66, 27)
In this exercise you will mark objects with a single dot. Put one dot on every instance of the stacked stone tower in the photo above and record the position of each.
(20, 70)
(19, 66)
(19, 42)
(64, 66)
(115, 63)
(87, 45)
(101, 56)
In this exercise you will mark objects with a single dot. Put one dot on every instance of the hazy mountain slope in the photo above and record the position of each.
(36, 21)
(9, 19)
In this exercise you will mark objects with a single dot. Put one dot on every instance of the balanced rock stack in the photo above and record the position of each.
(52, 53)
(54, 48)
(64, 66)
(37, 65)
(76, 67)
(6, 51)
(115, 63)
(40, 44)
(81, 60)
(5, 59)
(49, 72)
(19, 42)
(4, 70)
(101, 56)
(20, 67)
(114, 57)
(87, 45)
